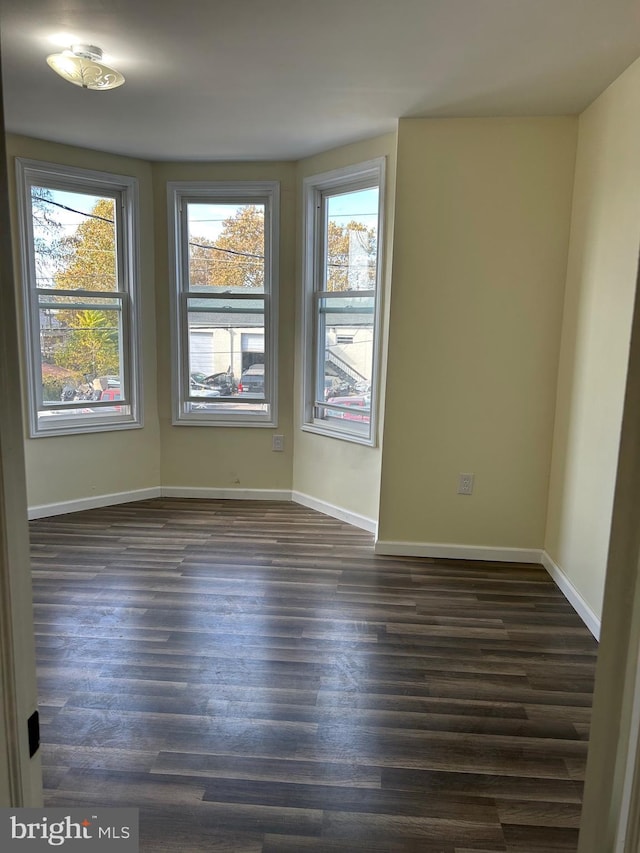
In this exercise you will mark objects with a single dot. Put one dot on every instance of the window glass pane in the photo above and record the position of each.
(224, 298)
(350, 413)
(81, 353)
(346, 337)
(226, 347)
(226, 246)
(225, 408)
(80, 297)
(351, 238)
(341, 282)
(74, 237)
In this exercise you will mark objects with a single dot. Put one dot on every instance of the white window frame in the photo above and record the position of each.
(124, 190)
(315, 188)
(179, 195)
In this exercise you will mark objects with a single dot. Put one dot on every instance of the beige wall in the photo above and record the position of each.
(65, 468)
(482, 212)
(479, 263)
(603, 257)
(333, 471)
(220, 457)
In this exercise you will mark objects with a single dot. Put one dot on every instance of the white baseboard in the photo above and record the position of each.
(226, 494)
(572, 595)
(388, 548)
(204, 493)
(450, 551)
(94, 502)
(509, 555)
(361, 521)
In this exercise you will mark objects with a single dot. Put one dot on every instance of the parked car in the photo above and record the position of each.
(252, 380)
(104, 383)
(110, 394)
(360, 406)
(331, 383)
(204, 392)
(222, 382)
(339, 388)
(197, 378)
(198, 387)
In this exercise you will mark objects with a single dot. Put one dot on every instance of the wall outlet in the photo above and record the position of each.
(277, 443)
(465, 484)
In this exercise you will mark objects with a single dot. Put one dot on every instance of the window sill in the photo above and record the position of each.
(318, 427)
(83, 428)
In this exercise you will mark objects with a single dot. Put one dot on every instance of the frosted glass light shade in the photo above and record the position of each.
(82, 66)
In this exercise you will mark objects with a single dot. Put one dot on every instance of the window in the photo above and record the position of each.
(343, 225)
(80, 277)
(224, 263)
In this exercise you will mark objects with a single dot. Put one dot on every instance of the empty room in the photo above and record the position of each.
(318, 435)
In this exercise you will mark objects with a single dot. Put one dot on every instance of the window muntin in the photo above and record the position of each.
(80, 280)
(225, 338)
(341, 301)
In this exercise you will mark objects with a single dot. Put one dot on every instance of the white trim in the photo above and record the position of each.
(371, 173)
(383, 547)
(325, 507)
(584, 611)
(179, 195)
(458, 552)
(45, 510)
(501, 555)
(97, 501)
(123, 189)
(628, 829)
(206, 493)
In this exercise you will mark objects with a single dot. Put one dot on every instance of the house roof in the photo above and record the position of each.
(249, 79)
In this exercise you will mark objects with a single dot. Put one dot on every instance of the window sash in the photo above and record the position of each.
(117, 301)
(237, 305)
(321, 312)
(319, 190)
(237, 410)
(123, 413)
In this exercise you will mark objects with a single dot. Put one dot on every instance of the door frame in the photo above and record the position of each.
(20, 774)
(611, 813)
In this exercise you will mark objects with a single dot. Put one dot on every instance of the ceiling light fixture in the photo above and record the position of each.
(81, 65)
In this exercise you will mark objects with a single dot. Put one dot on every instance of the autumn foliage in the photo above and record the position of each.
(235, 259)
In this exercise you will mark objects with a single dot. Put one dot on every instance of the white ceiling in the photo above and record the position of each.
(282, 79)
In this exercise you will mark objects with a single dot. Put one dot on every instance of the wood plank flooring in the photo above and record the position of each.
(255, 679)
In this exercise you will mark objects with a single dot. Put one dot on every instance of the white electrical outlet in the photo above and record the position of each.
(465, 484)
(277, 443)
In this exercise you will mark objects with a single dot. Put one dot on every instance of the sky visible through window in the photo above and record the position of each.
(359, 206)
(61, 214)
(74, 205)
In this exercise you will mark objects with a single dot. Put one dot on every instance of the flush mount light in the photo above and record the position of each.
(81, 65)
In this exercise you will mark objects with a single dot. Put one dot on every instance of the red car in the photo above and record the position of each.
(361, 408)
(112, 394)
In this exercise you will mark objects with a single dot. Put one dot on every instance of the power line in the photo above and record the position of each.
(104, 219)
(228, 251)
(72, 209)
(218, 219)
(361, 213)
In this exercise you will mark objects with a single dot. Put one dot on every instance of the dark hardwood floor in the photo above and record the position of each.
(253, 678)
